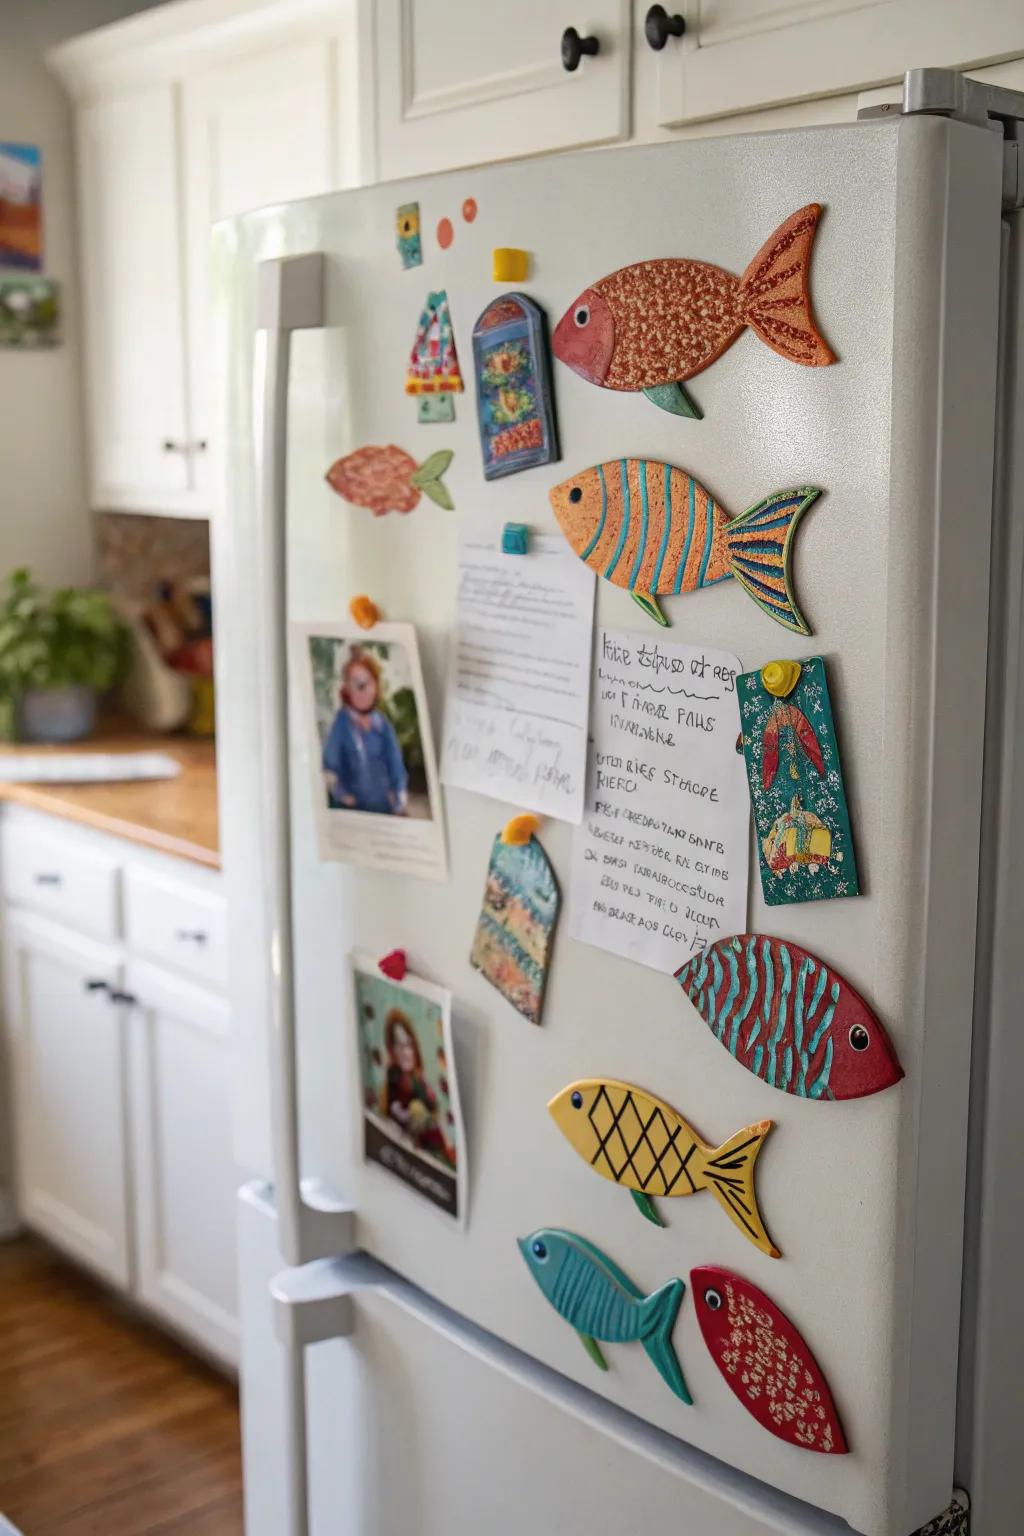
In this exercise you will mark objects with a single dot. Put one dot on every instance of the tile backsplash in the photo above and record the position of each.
(134, 553)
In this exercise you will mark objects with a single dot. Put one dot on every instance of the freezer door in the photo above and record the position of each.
(865, 1199)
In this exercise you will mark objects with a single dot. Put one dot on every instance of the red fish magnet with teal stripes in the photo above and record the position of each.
(656, 531)
(804, 843)
(790, 1019)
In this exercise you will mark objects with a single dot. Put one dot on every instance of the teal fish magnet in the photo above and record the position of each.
(804, 843)
(601, 1302)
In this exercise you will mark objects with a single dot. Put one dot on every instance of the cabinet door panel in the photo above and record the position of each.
(743, 55)
(69, 1101)
(256, 132)
(132, 301)
(185, 1180)
(463, 83)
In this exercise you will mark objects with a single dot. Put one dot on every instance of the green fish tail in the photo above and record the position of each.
(428, 478)
(646, 1206)
(649, 604)
(659, 1313)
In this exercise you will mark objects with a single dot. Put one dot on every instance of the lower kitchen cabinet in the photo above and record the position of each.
(120, 1066)
(67, 1058)
(184, 1180)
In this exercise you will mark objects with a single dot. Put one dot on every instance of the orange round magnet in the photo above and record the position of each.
(445, 233)
(469, 209)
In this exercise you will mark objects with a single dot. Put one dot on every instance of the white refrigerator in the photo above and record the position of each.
(403, 1375)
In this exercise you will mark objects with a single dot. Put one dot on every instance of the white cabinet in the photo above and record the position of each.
(66, 1038)
(142, 449)
(120, 1067)
(459, 83)
(745, 55)
(257, 131)
(184, 1179)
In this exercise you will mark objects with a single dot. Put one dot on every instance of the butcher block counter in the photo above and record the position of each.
(176, 816)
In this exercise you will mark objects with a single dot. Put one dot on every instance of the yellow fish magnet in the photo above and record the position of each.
(633, 1139)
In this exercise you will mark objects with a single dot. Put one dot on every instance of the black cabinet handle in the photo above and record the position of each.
(117, 996)
(95, 984)
(190, 936)
(46, 877)
(659, 26)
(574, 47)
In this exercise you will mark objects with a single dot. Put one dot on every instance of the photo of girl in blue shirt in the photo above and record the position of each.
(363, 764)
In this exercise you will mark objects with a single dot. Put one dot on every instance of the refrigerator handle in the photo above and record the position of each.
(290, 297)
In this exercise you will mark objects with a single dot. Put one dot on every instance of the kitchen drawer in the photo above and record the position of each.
(62, 877)
(176, 922)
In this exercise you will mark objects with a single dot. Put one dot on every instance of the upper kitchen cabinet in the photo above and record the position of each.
(143, 451)
(256, 131)
(189, 113)
(459, 83)
(744, 55)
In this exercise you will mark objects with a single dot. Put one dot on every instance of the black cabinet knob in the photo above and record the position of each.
(659, 26)
(574, 47)
(117, 996)
(94, 984)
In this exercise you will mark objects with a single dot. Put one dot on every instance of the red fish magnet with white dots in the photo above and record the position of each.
(765, 1361)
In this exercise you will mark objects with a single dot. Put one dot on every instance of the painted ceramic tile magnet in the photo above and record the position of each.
(631, 1138)
(512, 943)
(653, 325)
(655, 530)
(515, 404)
(790, 1019)
(602, 1303)
(407, 235)
(801, 819)
(433, 361)
(765, 1362)
(389, 479)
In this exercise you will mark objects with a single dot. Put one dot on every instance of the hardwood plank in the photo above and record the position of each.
(106, 1425)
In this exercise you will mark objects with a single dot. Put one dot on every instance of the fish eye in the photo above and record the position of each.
(859, 1037)
(582, 316)
(540, 1250)
(713, 1300)
(575, 494)
(577, 1100)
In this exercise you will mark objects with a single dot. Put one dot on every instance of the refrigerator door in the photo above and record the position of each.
(865, 1199)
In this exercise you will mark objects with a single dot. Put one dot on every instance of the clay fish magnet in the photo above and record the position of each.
(593, 1295)
(790, 1019)
(642, 1143)
(765, 1361)
(654, 530)
(655, 324)
(389, 479)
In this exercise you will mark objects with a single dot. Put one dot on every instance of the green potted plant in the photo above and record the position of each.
(58, 650)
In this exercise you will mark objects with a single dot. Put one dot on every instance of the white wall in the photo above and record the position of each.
(44, 520)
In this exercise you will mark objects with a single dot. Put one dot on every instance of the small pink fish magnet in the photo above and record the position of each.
(652, 325)
(765, 1361)
(387, 479)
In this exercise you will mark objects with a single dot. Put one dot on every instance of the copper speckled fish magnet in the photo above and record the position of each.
(654, 324)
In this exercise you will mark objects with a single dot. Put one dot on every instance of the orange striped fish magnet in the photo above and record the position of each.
(653, 529)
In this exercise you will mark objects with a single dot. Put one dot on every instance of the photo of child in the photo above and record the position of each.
(411, 1122)
(376, 798)
(371, 751)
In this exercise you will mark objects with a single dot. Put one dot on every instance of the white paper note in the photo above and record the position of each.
(519, 682)
(659, 866)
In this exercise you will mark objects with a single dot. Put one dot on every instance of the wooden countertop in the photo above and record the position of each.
(177, 816)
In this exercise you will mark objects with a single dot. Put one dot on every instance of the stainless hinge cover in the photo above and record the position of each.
(947, 93)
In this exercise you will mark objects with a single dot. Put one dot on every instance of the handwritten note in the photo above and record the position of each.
(519, 685)
(659, 867)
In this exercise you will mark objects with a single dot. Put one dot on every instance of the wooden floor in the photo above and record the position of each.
(107, 1428)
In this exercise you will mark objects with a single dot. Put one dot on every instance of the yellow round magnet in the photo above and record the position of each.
(780, 677)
